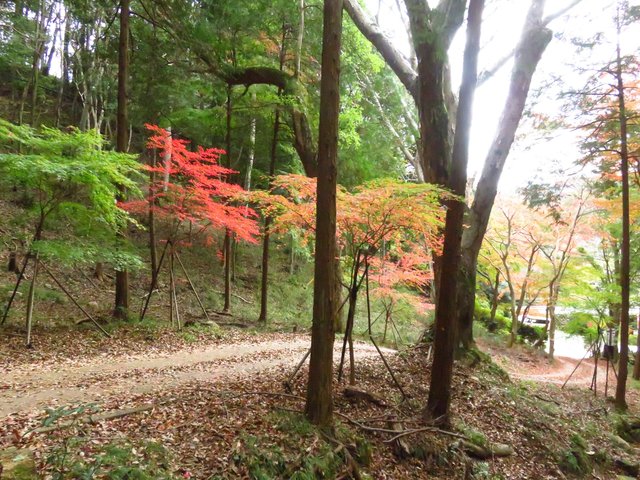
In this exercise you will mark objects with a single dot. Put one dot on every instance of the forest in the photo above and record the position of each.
(319, 239)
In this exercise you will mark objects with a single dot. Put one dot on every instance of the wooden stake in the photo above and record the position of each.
(184, 270)
(15, 289)
(30, 301)
(66, 292)
(154, 281)
(171, 286)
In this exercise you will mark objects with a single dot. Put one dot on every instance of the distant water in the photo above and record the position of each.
(572, 346)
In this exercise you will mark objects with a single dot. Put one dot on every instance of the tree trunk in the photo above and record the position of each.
(623, 359)
(153, 250)
(227, 247)
(534, 41)
(319, 399)
(636, 366)
(551, 311)
(514, 319)
(64, 78)
(299, 40)
(439, 400)
(122, 276)
(267, 224)
(494, 296)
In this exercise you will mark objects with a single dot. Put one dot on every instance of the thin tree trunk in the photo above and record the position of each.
(227, 247)
(267, 225)
(319, 399)
(551, 310)
(299, 40)
(64, 78)
(264, 285)
(121, 309)
(533, 42)
(438, 403)
(153, 249)
(494, 297)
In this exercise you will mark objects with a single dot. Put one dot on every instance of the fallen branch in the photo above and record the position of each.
(545, 399)
(239, 394)
(95, 418)
(358, 394)
(488, 451)
(249, 302)
(413, 431)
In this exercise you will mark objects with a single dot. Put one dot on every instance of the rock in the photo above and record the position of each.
(619, 442)
(93, 304)
(628, 467)
(487, 451)
(49, 286)
(17, 464)
(629, 429)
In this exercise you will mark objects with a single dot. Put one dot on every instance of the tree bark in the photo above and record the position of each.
(122, 140)
(319, 399)
(153, 250)
(438, 404)
(623, 359)
(227, 247)
(534, 41)
(267, 224)
(495, 296)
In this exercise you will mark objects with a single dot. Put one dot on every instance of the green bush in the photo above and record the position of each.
(500, 323)
(533, 334)
(575, 459)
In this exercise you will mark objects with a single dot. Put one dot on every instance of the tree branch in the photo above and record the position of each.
(392, 56)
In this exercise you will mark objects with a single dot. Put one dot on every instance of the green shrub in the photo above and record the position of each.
(575, 459)
(500, 323)
(532, 334)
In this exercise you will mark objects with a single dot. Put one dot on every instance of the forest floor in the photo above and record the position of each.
(219, 410)
(98, 377)
(527, 364)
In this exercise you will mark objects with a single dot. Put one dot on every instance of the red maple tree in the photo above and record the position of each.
(199, 191)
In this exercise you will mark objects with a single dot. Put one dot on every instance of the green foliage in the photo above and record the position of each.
(532, 333)
(72, 186)
(583, 324)
(500, 323)
(575, 459)
(266, 461)
(115, 460)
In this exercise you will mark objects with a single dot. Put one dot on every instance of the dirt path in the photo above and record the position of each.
(525, 364)
(34, 386)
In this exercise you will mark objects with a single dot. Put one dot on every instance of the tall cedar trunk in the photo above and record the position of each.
(122, 140)
(534, 41)
(445, 329)
(227, 247)
(319, 401)
(623, 362)
(267, 224)
(636, 366)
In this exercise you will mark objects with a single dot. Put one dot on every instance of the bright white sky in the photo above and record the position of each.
(503, 20)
